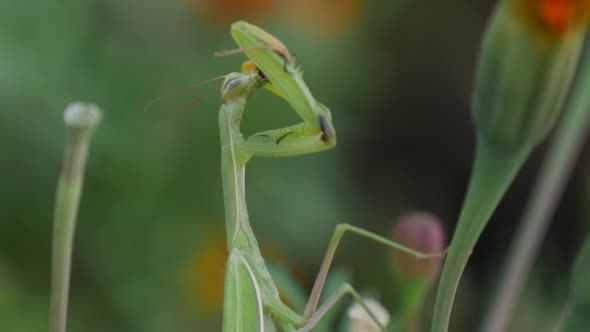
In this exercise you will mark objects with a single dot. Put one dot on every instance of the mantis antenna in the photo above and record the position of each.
(180, 91)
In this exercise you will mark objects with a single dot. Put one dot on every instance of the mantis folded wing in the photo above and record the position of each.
(243, 300)
(251, 297)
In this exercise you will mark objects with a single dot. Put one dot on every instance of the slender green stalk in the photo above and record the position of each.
(560, 161)
(81, 120)
(413, 294)
(493, 172)
(576, 316)
(574, 319)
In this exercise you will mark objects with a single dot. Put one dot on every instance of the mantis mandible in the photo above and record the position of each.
(251, 299)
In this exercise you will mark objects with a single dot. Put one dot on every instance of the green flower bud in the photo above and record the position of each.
(527, 62)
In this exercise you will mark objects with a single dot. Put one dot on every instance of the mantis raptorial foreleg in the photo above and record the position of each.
(287, 142)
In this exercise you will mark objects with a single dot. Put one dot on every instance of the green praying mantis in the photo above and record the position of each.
(251, 299)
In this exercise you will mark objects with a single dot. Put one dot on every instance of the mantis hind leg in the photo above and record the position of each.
(332, 300)
(287, 320)
(336, 237)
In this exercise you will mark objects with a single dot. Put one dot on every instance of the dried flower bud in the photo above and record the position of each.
(422, 232)
(361, 321)
(527, 62)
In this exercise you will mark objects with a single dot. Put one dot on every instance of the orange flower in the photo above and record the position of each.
(324, 16)
(555, 17)
(227, 11)
(206, 271)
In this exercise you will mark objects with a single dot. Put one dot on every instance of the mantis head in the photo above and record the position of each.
(240, 84)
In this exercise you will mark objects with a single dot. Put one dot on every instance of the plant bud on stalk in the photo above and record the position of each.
(81, 119)
(526, 66)
(423, 232)
(527, 62)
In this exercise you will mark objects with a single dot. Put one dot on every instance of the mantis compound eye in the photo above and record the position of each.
(231, 88)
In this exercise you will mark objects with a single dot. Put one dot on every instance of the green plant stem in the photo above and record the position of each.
(493, 172)
(551, 181)
(574, 320)
(413, 292)
(80, 120)
(576, 316)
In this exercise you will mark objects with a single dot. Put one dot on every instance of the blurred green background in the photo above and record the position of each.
(150, 242)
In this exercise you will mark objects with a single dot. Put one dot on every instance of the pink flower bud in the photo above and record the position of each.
(422, 232)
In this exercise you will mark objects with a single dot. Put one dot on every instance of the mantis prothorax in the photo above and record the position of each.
(251, 299)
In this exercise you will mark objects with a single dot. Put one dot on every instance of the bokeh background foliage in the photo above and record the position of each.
(150, 243)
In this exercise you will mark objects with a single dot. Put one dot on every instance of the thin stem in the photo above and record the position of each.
(574, 319)
(80, 120)
(413, 292)
(493, 172)
(576, 314)
(551, 181)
